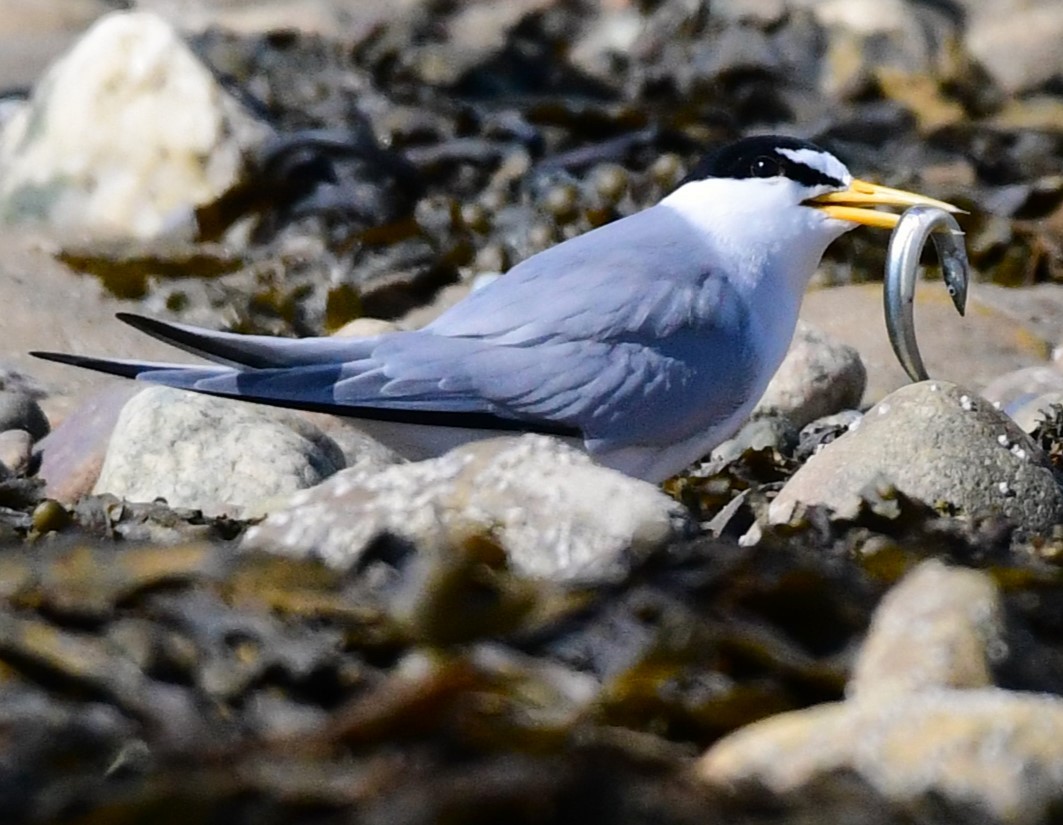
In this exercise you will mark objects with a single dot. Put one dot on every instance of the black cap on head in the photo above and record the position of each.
(759, 157)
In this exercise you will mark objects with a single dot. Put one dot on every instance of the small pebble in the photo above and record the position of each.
(610, 182)
(667, 170)
(476, 217)
(541, 235)
(19, 411)
(16, 450)
(562, 202)
(436, 215)
(50, 516)
(491, 258)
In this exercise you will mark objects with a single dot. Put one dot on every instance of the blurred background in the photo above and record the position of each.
(297, 167)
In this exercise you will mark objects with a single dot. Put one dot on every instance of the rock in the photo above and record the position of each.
(360, 452)
(1035, 410)
(71, 455)
(16, 450)
(124, 137)
(1018, 47)
(556, 513)
(759, 433)
(945, 751)
(216, 455)
(866, 36)
(607, 40)
(19, 411)
(474, 33)
(938, 628)
(365, 328)
(1026, 394)
(821, 432)
(936, 442)
(908, 731)
(818, 377)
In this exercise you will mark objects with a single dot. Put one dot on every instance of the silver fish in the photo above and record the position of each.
(902, 262)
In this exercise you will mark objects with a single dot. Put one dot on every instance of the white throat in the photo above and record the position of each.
(758, 229)
(765, 242)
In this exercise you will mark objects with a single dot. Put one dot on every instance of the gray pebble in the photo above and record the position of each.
(18, 411)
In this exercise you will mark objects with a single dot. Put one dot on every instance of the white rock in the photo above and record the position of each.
(16, 450)
(820, 376)
(124, 136)
(556, 513)
(923, 725)
(212, 454)
(939, 627)
(1019, 47)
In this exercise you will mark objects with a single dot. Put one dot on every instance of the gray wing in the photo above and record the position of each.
(621, 333)
(647, 274)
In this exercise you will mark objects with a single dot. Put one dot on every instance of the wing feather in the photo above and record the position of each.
(623, 334)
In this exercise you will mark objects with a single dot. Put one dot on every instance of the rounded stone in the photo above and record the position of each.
(938, 627)
(819, 376)
(216, 455)
(557, 514)
(16, 450)
(19, 411)
(939, 443)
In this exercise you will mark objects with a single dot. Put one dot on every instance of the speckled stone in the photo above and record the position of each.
(556, 513)
(997, 751)
(939, 443)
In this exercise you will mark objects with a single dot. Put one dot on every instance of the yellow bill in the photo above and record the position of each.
(857, 203)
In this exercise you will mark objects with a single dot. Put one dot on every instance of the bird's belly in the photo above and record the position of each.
(417, 442)
(658, 462)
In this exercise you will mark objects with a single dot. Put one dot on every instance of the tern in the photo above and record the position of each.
(647, 341)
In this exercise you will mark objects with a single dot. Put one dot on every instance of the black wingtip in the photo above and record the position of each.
(173, 335)
(58, 357)
(202, 343)
(143, 323)
(123, 370)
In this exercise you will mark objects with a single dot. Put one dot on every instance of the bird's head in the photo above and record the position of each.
(766, 208)
(785, 186)
(782, 183)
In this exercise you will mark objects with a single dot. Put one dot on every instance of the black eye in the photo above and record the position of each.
(765, 167)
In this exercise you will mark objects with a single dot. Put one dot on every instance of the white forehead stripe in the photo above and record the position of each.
(821, 161)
